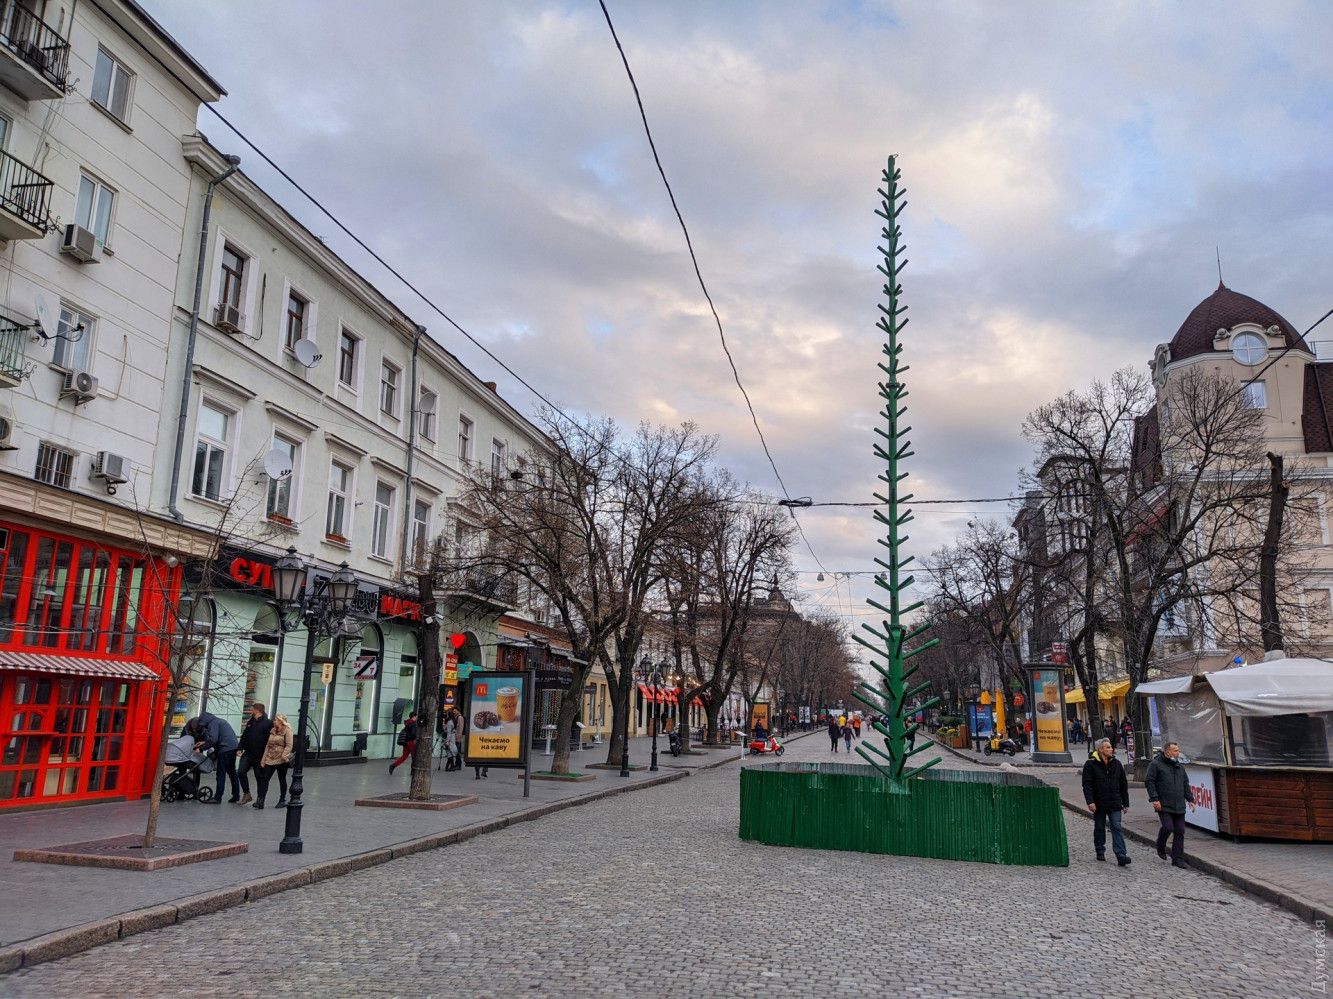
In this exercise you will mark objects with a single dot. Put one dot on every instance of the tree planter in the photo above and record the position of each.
(988, 817)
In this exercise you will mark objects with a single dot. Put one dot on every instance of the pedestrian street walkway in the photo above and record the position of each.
(39, 898)
(654, 894)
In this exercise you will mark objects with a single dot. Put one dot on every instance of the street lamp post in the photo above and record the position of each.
(322, 608)
(975, 691)
(653, 675)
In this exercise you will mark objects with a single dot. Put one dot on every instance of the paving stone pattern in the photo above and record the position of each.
(653, 894)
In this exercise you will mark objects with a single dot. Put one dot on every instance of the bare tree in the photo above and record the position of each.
(712, 568)
(1171, 511)
(583, 527)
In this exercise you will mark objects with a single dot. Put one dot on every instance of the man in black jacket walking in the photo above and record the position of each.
(1106, 790)
(1169, 791)
(211, 732)
(254, 739)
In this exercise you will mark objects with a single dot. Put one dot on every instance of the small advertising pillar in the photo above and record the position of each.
(1048, 714)
(498, 729)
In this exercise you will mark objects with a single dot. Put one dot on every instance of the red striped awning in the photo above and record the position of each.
(647, 692)
(38, 662)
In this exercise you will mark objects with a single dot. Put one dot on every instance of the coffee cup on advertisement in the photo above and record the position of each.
(506, 703)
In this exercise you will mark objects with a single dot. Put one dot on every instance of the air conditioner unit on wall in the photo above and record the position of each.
(79, 243)
(228, 318)
(81, 385)
(7, 434)
(113, 468)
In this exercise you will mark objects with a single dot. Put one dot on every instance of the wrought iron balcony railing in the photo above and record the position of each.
(25, 193)
(13, 352)
(36, 43)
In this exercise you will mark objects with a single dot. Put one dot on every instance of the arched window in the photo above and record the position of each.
(192, 651)
(368, 672)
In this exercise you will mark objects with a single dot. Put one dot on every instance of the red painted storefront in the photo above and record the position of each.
(82, 655)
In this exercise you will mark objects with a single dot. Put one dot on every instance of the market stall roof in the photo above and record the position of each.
(1279, 687)
(1105, 692)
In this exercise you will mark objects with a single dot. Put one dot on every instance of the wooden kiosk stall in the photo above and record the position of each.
(1259, 740)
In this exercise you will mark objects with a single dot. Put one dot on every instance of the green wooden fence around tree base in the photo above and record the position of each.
(993, 817)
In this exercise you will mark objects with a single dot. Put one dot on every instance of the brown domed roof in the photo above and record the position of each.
(1224, 309)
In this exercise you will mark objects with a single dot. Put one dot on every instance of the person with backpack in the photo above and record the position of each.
(407, 738)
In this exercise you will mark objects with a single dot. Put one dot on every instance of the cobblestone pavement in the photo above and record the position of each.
(653, 894)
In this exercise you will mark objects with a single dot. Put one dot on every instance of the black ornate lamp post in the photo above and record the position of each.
(654, 676)
(322, 607)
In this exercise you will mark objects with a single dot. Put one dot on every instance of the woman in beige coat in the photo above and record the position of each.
(277, 755)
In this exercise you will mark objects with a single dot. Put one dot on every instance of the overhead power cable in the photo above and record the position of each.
(698, 273)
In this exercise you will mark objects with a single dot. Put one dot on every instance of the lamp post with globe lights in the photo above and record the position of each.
(321, 605)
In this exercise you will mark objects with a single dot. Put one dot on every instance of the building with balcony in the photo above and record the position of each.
(93, 191)
(318, 415)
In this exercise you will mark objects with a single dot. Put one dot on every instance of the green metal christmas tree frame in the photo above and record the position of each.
(890, 646)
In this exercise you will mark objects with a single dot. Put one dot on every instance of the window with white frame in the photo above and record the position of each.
(297, 307)
(390, 374)
(55, 465)
(212, 450)
(420, 528)
(233, 276)
(4, 130)
(1254, 396)
(92, 210)
(427, 409)
(282, 490)
(348, 346)
(74, 339)
(382, 528)
(112, 83)
(338, 521)
(464, 439)
(497, 458)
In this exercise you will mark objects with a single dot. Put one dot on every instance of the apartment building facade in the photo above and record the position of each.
(318, 416)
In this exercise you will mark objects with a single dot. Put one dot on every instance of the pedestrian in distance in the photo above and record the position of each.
(856, 726)
(452, 723)
(1106, 790)
(847, 736)
(277, 757)
(834, 733)
(407, 738)
(254, 740)
(1168, 787)
(212, 733)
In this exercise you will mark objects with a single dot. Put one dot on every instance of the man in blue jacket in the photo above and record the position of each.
(211, 732)
(1106, 790)
(1168, 787)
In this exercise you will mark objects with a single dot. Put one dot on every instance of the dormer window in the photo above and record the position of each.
(1249, 348)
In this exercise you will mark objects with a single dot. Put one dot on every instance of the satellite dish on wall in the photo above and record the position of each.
(45, 324)
(428, 403)
(277, 464)
(306, 352)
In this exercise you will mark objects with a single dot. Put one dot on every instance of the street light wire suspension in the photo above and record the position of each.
(698, 273)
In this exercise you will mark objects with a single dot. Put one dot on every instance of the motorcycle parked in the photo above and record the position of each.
(766, 745)
(673, 742)
(1006, 745)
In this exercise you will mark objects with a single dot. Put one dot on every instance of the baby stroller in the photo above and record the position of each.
(184, 780)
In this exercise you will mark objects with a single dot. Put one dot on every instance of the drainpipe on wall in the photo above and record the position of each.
(411, 446)
(179, 517)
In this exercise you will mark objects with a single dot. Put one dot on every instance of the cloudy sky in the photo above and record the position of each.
(1070, 169)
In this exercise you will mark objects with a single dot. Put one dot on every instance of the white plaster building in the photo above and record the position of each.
(379, 403)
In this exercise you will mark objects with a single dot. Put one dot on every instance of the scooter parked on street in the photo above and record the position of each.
(1006, 745)
(768, 744)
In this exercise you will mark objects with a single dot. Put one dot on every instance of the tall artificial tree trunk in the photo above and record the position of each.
(1270, 626)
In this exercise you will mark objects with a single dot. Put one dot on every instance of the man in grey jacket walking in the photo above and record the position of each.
(1168, 787)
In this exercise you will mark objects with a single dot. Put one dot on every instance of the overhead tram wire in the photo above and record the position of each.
(698, 273)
